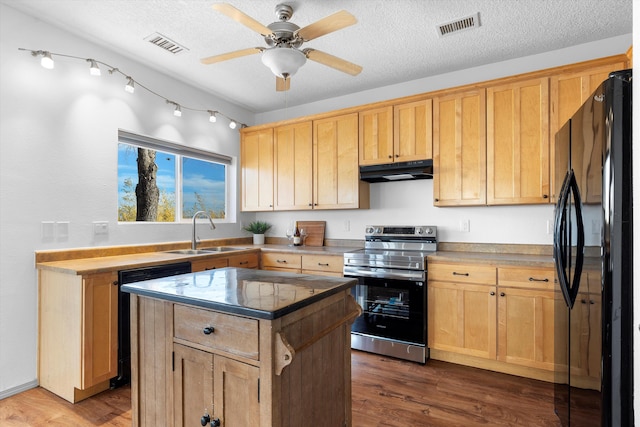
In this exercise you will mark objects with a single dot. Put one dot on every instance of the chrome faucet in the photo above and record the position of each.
(194, 242)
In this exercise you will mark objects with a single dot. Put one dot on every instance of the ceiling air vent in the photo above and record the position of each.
(462, 24)
(165, 43)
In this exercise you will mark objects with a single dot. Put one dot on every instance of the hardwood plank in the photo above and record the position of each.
(386, 392)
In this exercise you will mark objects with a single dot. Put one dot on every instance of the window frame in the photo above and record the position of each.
(181, 151)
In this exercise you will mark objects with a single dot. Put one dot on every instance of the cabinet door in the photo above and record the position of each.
(208, 264)
(256, 159)
(336, 174)
(526, 327)
(462, 318)
(100, 328)
(568, 91)
(293, 177)
(518, 143)
(236, 400)
(192, 386)
(376, 136)
(459, 149)
(412, 131)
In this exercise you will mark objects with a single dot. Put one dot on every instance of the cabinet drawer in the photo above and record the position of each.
(523, 277)
(249, 260)
(325, 263)
(462, 273)
(232, 334)
(281, 260)
(208, 264)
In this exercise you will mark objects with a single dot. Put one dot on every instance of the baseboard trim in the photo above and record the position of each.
(18, 389)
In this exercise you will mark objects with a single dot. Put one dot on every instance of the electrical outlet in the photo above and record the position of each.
(347, 225)
(100, 227)
(549, 226)
(464, 225)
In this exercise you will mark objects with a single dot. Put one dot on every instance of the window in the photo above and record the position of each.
(159, 181)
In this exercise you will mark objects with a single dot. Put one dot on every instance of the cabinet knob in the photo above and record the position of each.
(208, 330)
(397, 155)
(390, 156)
(502, 294)
(591, 301)
(436, 199)
(206, 419)
(583, 301)
(492, 293)
(114, 283)
(545, 196)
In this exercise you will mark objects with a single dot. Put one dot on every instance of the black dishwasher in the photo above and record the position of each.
(124, 313)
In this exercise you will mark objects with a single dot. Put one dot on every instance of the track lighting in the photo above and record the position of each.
(94, 70)
(46, 60)
(129, 86)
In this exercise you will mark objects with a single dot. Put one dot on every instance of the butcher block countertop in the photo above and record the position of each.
(255, 293)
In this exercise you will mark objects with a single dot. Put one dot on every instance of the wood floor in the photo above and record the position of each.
(386, 392)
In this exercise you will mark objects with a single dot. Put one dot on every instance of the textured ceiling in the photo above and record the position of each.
(394, 40)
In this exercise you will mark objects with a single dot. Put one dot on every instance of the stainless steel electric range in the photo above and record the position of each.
(392, 276)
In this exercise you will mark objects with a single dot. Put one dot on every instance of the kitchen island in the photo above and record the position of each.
(241, 347)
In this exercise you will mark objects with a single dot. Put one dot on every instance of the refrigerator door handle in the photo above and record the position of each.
(562, 245)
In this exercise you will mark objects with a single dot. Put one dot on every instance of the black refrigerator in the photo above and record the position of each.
(594, 309)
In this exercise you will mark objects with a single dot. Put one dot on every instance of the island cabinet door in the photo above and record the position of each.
(192, 386)
(236, 396)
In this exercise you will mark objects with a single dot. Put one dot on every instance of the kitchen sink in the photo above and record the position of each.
(216, 249)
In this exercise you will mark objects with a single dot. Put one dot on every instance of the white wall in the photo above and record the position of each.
(58, 158)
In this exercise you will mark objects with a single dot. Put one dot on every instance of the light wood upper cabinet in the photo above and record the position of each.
(256, 159)
(397, 133)
(293, 175)
(459, 149)
(412, 131)
(518, 143)
(568, 91)
(336, 175)
(376, 136)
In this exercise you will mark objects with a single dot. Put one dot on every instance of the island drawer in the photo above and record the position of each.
(462, 273)
(229, 333)
(249, 260)
(281, 260)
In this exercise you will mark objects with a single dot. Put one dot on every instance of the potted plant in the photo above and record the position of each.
(258, 228)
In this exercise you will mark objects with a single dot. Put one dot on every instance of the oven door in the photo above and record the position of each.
(391, 308)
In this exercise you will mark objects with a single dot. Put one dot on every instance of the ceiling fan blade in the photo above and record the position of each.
(242, 18)
(327, 25)
(333, 61)
(283, 85)
(231, 55)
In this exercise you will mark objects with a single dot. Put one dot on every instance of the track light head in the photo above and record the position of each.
(129, 87)
(212, 116)
(233, 124)
(46, 61)
(94, 70)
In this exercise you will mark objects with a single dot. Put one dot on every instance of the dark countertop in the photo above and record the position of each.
(247, 292)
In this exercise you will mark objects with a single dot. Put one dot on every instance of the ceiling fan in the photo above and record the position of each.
(284, 39)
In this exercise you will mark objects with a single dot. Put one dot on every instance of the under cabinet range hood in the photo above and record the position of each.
(401, 171)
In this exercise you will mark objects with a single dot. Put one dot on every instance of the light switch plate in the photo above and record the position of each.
(100, 227)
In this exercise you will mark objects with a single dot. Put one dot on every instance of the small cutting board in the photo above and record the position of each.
(315, 232)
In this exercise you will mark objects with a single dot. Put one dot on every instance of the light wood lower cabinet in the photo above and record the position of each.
(246, 260)
(493, 317)
(282, 261)
(323, 265)
(78, 333)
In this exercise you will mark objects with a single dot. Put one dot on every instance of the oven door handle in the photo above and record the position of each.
(382, 273)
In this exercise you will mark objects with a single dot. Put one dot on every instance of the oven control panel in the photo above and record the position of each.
(428, 231)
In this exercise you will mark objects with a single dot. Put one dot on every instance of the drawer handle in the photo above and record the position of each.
(281, 261)
(323, 265)
(531, 279)
(207, 269)
(243, 262)
(208, 330)
(455, 273)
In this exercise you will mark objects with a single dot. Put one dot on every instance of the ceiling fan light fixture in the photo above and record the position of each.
(283, 61)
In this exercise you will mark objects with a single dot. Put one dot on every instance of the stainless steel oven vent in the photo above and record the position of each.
(165, 43)
(462, 24)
